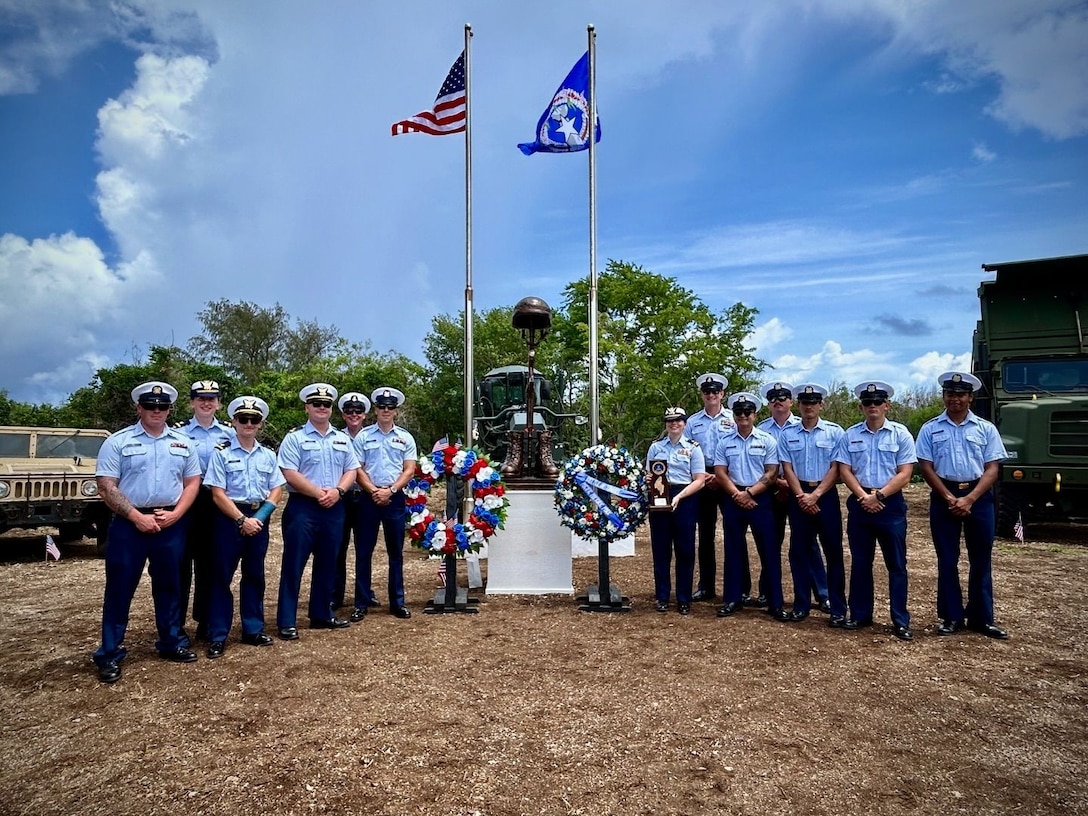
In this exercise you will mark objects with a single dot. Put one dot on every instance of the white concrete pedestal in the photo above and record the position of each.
(531, 555)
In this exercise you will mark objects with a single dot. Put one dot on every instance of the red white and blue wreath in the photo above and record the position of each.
(601, 469)
(489, 502)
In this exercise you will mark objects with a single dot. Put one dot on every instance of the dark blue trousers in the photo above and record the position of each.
(308, 529)
(815, 532)
(351, 514)
(196, 565)
(761, 521)
(126, 554)
(393, 521)
(708, 501)
(977, 530)
(888, 528)
(232, 548)
(671, 531)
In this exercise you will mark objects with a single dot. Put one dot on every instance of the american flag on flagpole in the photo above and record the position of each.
(1018, 528)
(449, 111)
(51, 549)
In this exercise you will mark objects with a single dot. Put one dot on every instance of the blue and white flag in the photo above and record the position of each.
(564, 125)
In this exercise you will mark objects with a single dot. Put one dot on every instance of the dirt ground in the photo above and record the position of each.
(533, 707)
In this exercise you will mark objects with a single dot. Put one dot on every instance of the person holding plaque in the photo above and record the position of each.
(675, 468)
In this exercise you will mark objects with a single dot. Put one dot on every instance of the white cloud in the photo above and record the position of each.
(924, 370)
(982, 153)
(768, 335)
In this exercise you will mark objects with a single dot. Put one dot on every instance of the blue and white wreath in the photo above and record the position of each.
(596, 470)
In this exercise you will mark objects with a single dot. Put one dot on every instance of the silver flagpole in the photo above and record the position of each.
(594, 409)
(469, 309)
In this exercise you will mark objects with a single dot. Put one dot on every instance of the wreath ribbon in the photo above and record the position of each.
(589, 486)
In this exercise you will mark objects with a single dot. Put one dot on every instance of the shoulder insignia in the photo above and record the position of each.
(223, 445)
(181, 424)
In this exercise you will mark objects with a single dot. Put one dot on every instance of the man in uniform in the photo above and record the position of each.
(387, 453)
(353, 408)
(805, 449)
(745, 465)
(960, 456)
(246, 484)
(877, 458)
(319, 463)
(705, 426)
(206, 433)
(148, 475)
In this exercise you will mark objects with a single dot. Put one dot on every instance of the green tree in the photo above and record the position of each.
(655, 337)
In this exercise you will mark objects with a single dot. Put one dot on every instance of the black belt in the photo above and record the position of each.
(150, 511)
(959, 485)
(251, 506)
(740, 487)
(809, 484)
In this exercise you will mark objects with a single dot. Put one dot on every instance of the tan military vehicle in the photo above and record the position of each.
(47, 480)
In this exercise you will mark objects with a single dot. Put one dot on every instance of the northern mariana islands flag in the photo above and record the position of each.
(564, 125)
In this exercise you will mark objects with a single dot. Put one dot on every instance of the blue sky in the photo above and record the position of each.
(843, 166)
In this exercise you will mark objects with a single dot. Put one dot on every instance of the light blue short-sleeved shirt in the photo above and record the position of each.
(705, 430)
(746, 458)
(383, 454)
(809, 450)
(206, 440)
(245, 476)
(960, 453)
(875, 456)
(323, 459)
(150, 471)
(774, 429)
(685, 458)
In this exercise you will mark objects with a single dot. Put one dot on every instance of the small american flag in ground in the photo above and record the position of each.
(449, 111)
(1018, 528)
(51, 548)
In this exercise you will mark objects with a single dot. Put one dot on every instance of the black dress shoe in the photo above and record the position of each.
(179, 655)
(401, 612)
(857, 624)
(779, 614)
(331, 623)
(731, 608)
(704, 595)
(949, 627)
(837, 621)
(824, 606)
(357, 614)
(902, 632)
(109, 672)
(662, 606)
(288, 633)
(990, 630)
(758, 602)
(683, 609)
(259, 639)
(796, 615)
(216, 649)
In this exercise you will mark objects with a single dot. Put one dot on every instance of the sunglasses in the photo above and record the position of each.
(155, 407)
(353, 411)
(247, 419)
(873, 401)
(320, 403)
(743, 412)
(780, 399)
(387, 407)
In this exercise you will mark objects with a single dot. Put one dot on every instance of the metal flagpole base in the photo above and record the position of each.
(451, 598)
(595, 601)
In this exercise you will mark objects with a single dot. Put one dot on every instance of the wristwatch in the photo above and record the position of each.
(341, 491)
(238, 522)
(879, 496)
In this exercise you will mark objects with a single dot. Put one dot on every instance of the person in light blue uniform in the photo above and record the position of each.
(388, 456)
(805, 449)
(705, 426)
(320, 466)
(745, 465)
(246, 484)
(353, 408)
(779, 396)
(960, 455)
(674, 528)
(148, 475)
(877, 458)
(206, 433)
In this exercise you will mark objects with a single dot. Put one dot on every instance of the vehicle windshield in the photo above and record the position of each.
(1045, 376)
(16, 445)
(67, 446)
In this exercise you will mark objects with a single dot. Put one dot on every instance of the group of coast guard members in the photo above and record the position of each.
(193, 503)
(789, 467)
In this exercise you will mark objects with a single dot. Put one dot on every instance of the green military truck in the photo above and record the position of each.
(1030, 352)
(47, 480)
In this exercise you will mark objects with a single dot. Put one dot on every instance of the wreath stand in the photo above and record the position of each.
(451, 598)
(596, 601)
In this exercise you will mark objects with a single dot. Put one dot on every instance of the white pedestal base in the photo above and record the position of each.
(531, 555)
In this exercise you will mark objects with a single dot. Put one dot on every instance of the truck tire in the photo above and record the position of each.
(101, 529)
(67, 533)
(1010, 506)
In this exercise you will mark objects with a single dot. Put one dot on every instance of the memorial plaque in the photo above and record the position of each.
(659, 485)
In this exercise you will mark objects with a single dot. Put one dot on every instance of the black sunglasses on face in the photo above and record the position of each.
(320, 403)
(246, 419)
(744, 412)
(779, 399)
(353, 411)
(872, 401)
